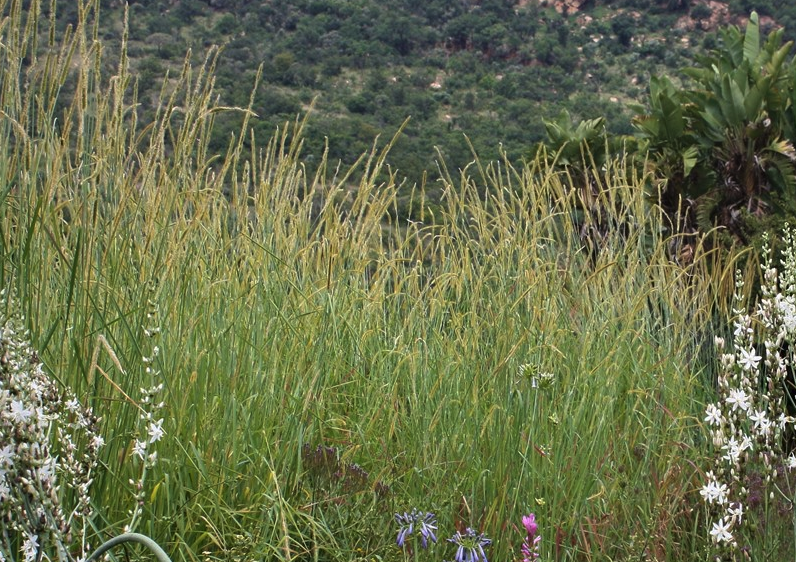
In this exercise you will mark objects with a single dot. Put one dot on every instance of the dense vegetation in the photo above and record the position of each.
(491, 70)
(279, 366)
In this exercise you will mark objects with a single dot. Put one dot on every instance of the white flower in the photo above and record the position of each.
(787, 308)
(19, 413)
(735, 511)
(784, 420)
(140, 449)
(31, 547)
(46, 471)
(713, 416)
(746, 443)
(721, 531)
(734, 449)
(738, 399)
(790, 462)
(156, 431)
(741, 326)
(7, 456)
(713, 492)
(97, 442)
(749, 360)
(762, 423)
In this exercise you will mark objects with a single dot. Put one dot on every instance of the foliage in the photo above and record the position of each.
(750, 484)
(476, 360)
(49, 454)
(722, 149)
(502, 67)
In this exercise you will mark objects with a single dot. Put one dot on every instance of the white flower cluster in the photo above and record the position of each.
(49, 446)
(150, 428)
(748, 422)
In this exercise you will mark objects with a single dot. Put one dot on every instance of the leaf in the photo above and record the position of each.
(777, 58)
(732, 103)
(753, 102)
(751, 42)
(648, 125)
(671, 118)
(701, 75)
(783, 147)
(733, 41)
(690, 158)
(714, 121)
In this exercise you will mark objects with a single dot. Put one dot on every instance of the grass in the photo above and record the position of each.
(295, 311)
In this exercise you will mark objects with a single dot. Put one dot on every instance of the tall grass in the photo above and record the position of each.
(295, 310)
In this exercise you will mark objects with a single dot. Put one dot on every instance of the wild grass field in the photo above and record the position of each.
(324, 367)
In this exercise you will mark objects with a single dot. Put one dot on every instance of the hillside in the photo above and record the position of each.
(489, 71)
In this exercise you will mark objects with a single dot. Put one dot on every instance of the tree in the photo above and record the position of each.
(701, 12)
(723, 150)
(624, 26)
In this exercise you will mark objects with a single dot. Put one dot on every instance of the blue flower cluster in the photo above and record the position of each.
(426, 523)
(470, 546)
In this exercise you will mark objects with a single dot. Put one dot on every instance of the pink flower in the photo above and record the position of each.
(530, 550)
(530, 546)
(529, 521)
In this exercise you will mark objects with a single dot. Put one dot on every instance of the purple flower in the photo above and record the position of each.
(530, 546)
(530, 549)
(529, 522)
(407, 522)
(470, 546)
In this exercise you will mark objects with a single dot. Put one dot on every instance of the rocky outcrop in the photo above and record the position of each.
(720, 16)
(566, 6)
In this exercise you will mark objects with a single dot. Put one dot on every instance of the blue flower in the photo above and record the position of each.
(407, 522)
(470, 546)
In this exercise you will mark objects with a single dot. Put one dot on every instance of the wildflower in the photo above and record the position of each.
(742, 326)
(721, 531)
(783, 420)
(735, 511)
(788, 310)
(31, 547)
(156, 431)
(97, 442)
(749, 360)
(426, 522)
(38, 419)
(735, 449)
(140, 449)
(738, 398)
(529, 522)
(19, 413)
(530, 546)
(7, 456)
(470, 546)
(713, 492)
(762, 423)
(713, 416)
